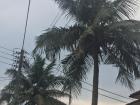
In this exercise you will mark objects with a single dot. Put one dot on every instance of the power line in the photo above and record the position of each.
(6, 58)
(83, 88)
(6, 48)
(5, 63)
(58, 66)
(5, 53)
(51, 25)
(58, 19)
(107, 91)
(16, 58)
(4, 77)
(106, 96)
(86, 90)
(67, 22)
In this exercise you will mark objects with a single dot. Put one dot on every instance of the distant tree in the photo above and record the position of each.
(38, 86)
(104, 32)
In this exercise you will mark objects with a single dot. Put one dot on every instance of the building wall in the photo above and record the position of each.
(135, 103)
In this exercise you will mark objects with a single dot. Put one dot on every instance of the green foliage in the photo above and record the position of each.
(105, 28)
(38, 86)
(56, 39)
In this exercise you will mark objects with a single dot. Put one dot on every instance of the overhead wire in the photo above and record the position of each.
(56, 20)
(62, 72)
(102, 88)
(5, 53)
(87, 89)
(108, 91)
(59, 17)
(67, 23)
(59, 65)
(51, 25)
(3, 77)
(6, 78)
(107, 96)
(6, 58)
(5, 63)
(6, 48)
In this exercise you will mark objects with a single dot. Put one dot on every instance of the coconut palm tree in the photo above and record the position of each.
(104, 32)
(38, 86)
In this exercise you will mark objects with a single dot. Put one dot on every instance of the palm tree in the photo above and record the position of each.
(38, 86)
(72, 87)
(104, 32)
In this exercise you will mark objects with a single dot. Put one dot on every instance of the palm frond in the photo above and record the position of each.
(54, 93)
(75, 70)
(55, 39)
(48, 69)
(130, 24)
(67, 6)
(55, 81)
(11, 72)
(34, 86)
(119, 9)
(125, 55)
(5, 97)
(126, 8)
(72, 87)
(37, 69)
(128, 31)
(126, 78)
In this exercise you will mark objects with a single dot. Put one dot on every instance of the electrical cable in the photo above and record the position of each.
(51, 25)
(59, 67)
(107, 96)
(67, 22)
(6, 48)
(58, 19)
(108, 91)
(5, 63)
(86, 89)
(5, 53)
(6, 58)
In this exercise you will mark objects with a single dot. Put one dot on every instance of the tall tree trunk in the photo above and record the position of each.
(39, 100)
(95, 80)
(70, 98)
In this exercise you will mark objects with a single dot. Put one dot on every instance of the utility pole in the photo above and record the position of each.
(21, 60)
(25, 30)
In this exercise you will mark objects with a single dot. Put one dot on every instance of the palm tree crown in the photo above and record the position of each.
(104, 32)
(38, 86)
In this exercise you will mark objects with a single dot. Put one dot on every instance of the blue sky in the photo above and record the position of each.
(12, 21)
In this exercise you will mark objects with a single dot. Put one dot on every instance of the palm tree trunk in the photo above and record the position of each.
(95, 80)
(39, 100)
(70, 98)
